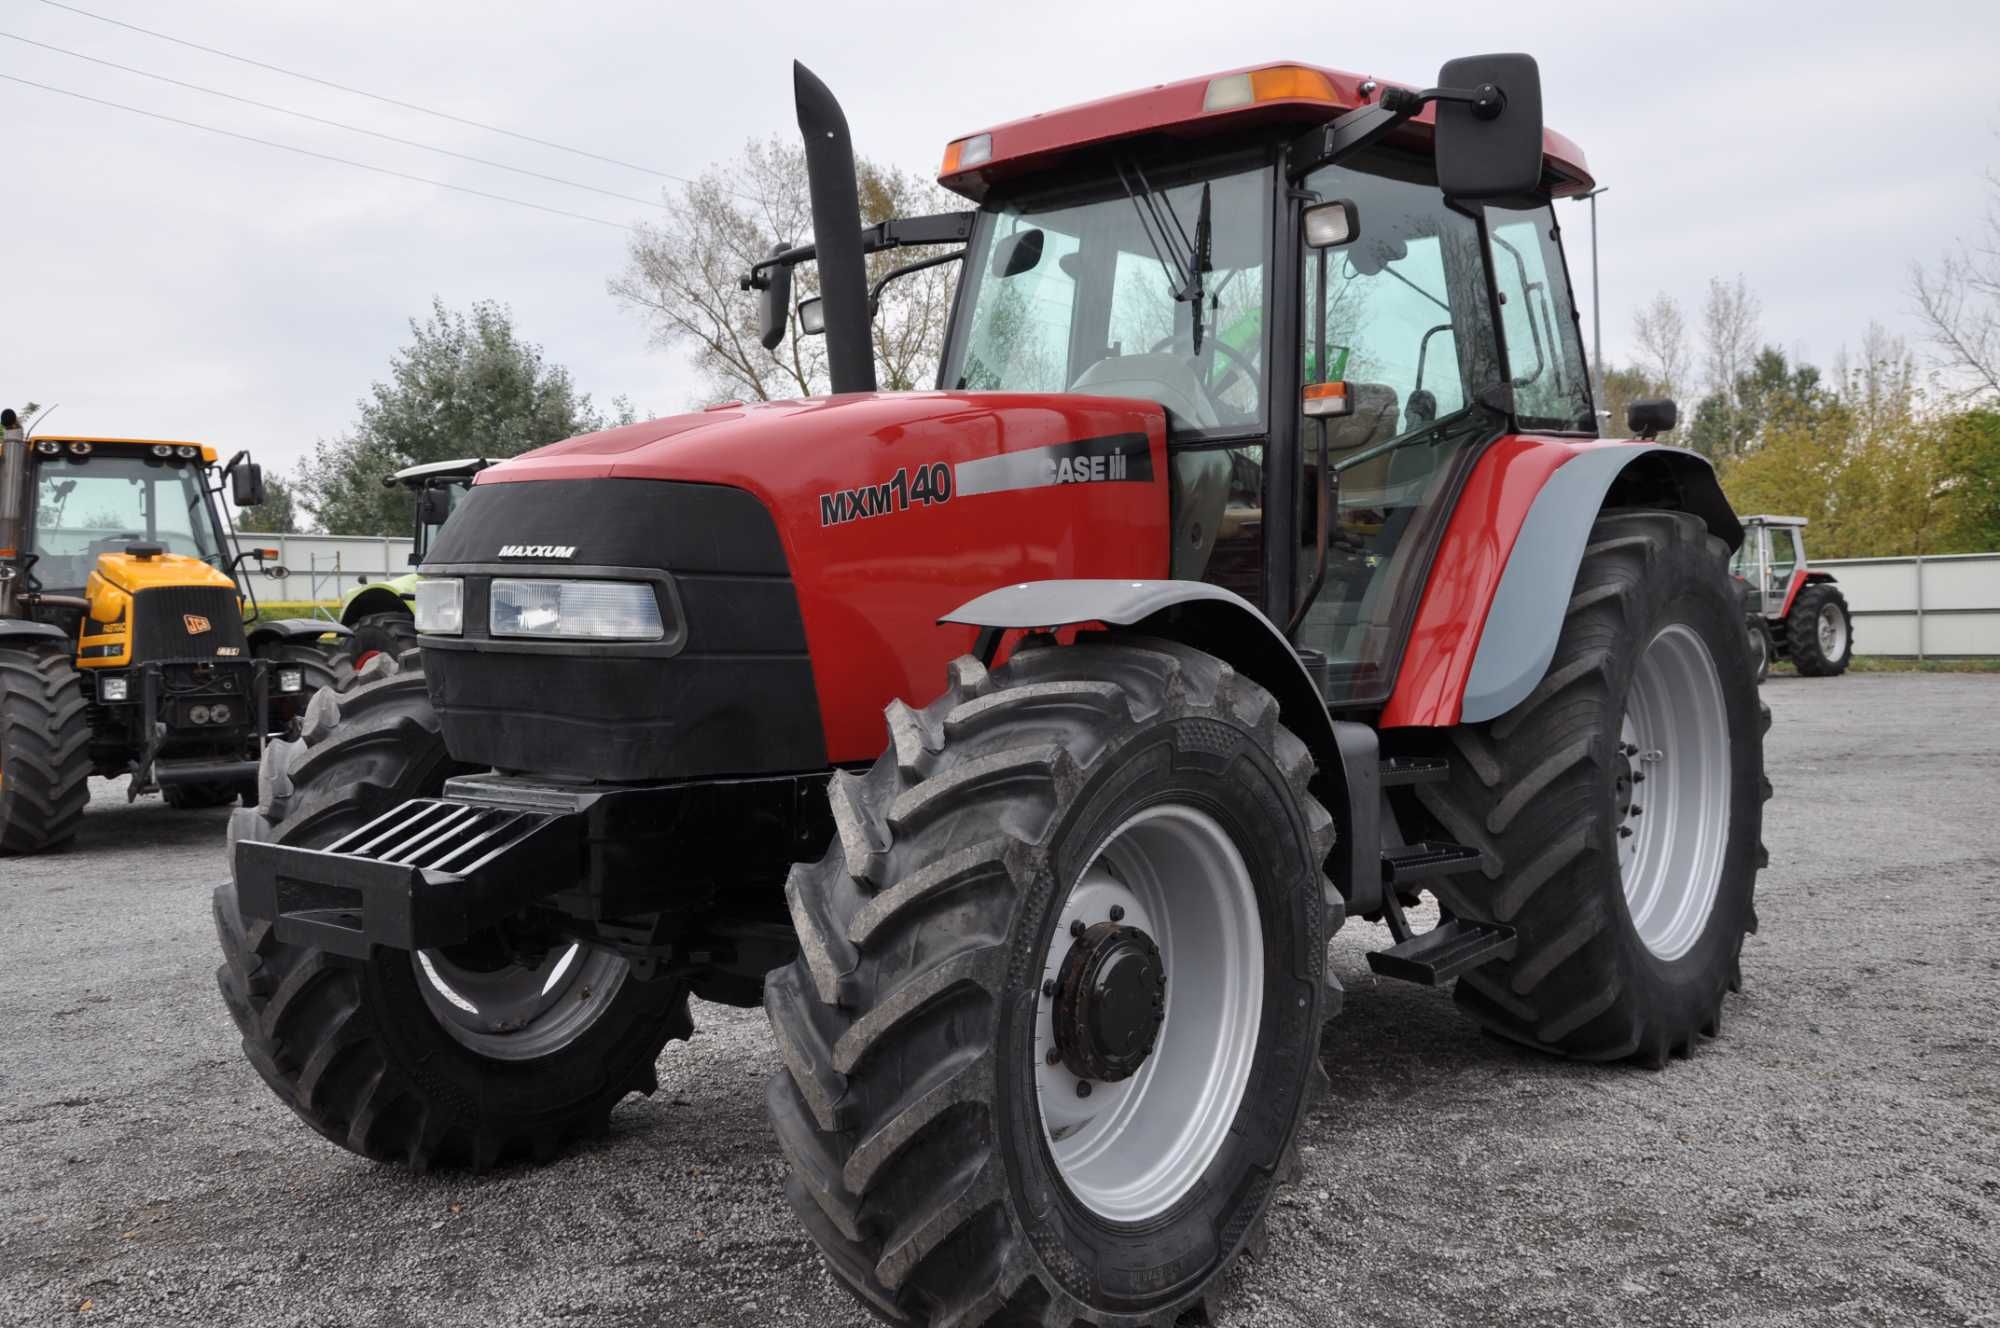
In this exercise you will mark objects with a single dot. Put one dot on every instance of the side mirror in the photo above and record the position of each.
(277, 571)
(246, 484)
(774, 302)
(1330, 225)
(432, 506)
(1649, 417)
(812, 317)
(1490, 146)
(1018, 253)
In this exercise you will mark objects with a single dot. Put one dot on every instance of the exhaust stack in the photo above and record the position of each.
(13, 510)
(836, 209)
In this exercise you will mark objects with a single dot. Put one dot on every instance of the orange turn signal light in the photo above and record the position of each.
(1327, 400)
(966, 153)
(1277, 83)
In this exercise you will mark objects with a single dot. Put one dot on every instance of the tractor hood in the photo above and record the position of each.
(132, 574)
(779, 449)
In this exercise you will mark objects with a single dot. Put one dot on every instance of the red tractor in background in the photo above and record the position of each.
(1259, 535)
(1795, 612)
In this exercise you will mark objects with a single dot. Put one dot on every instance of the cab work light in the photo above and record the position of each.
(588, 610)
(440, 606)
(1278, 83)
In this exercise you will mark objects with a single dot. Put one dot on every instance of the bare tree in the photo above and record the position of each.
(1960, 306)
(1661, 330)
(682, 276)
(1730, 333)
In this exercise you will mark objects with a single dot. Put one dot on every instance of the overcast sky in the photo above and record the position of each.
(165, 282)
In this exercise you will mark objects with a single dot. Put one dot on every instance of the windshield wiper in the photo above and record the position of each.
(1191, 258)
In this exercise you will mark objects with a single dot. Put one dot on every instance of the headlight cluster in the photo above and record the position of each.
(540, 608)
(113, 689)
(291, 680)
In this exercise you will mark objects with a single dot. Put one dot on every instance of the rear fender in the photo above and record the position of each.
(1486, 628)
(1805, 576)
(21, 632)
(1229, 627)
(294, 629)
(370, 600)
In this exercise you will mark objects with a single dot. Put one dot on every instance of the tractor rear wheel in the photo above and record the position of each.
(1055, 1020)
(44, 749)
(1618, 807)
(1761, 649)
(506, 1048)
(380, 634)
(1819, 631)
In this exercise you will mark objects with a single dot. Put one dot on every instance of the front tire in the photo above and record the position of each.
(386, 633)
(1009, 852)
(44, 749)
(375, 1056)
(1618, 808)
(1820, 631)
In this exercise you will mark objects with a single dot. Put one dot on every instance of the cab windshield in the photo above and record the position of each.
(85, 506)
(1090, 291)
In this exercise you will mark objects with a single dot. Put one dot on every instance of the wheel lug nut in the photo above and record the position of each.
(1083, 1088)
(1624, 832)
(1638, 776)
(1117, 912)
(1049, 987)
(1052, 1056)
(1077, 929)
(1636, 809)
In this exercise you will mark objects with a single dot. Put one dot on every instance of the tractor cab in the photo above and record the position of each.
(1773, 552)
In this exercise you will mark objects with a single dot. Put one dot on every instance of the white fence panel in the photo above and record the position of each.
(323, 567)
(1940, 607)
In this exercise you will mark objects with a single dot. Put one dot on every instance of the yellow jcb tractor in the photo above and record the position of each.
(124, 644)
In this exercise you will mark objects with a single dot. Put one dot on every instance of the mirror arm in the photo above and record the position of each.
(1328, 143)
(896, 233)
(939, 260)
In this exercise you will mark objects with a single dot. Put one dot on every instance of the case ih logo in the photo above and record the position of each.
(195, 623)
(538, 551)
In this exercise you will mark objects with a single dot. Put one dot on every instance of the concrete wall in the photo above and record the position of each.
(327, 566)
(1922, 607)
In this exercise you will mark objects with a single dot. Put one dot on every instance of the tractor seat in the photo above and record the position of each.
(1156, 376)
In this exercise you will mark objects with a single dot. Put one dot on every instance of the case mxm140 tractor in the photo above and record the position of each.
(122, 640)
(1260, 540)
(379, 613)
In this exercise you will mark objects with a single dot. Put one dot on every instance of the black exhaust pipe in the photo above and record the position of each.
(836, 205)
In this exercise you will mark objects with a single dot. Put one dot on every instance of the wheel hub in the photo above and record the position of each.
(1111, 998)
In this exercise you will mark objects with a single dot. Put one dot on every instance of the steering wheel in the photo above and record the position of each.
(1240, 366)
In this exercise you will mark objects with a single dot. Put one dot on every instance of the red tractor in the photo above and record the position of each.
(1795, 612)
(1260, 538)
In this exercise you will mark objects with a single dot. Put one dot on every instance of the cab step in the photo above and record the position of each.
(1401, 771)
(1426, 858)
(1444, 952)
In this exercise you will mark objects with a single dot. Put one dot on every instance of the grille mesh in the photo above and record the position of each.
(160, 628)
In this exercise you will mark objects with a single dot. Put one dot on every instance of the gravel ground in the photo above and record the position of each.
(1834, 1159)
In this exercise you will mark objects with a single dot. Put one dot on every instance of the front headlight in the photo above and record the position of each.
(592, 610)
(440, 606)
(113, 689)
(291, 680)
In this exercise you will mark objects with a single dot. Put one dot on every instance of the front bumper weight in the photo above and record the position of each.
(430, 872)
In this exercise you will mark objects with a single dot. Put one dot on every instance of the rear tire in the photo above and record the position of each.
(388, 634)
(1762, 647)
(926, 1160)
(1622, 952)
(1820, 631)
(44, 749)
(370, 1054)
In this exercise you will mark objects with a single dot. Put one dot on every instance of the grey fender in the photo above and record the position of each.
(1526, 615)
(1229, 627)
(23, 632)
(294, 629)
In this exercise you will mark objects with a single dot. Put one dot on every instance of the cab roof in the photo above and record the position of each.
(1279, 93)
(207, 452)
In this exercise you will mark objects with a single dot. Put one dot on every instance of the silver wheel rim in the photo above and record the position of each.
(1671, 787)
(1832, 631)
(1131, 1149)
(516, 1012)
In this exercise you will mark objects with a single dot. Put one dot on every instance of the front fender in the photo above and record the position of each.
(294, 629)
(1487, 624)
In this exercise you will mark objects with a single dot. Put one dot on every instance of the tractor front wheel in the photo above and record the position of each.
(44, 749)
(1618, 807)
(1819, 631)
(1056, 1015)
(505, 1048)
(380, 634)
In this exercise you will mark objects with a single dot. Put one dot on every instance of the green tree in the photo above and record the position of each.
(1972, 478)
(466, 385)
(278, 514)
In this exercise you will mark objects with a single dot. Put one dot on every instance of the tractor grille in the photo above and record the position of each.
(164, 623)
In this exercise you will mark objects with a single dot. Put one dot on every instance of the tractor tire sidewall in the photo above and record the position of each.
(390, 634)
(44, 749)
(1177, 762)
(1802, 631)
(437, 1102)
(1680, 992)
